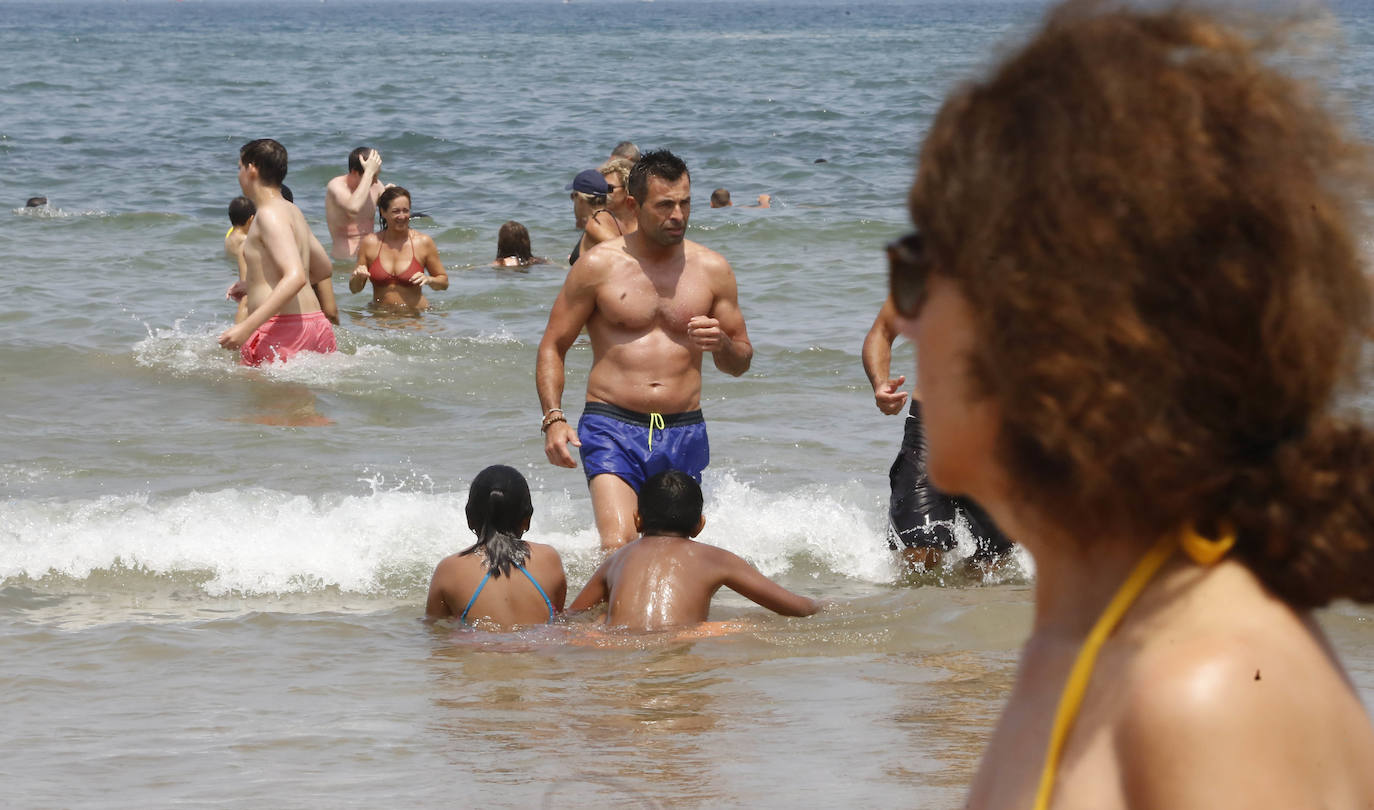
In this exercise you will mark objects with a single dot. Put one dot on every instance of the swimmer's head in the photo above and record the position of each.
(385, 200)
(617, 174)
(626, 150)
(36, 202)
(659, 163)
(241, 210)
(499, 511)
(355, 159)
(513, 240)
(268, 157)
(720, 198)
(670, 503)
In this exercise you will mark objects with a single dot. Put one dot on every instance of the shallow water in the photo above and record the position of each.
(210, 578)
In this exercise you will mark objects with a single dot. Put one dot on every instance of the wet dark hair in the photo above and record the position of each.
(241, 209)
(1156, 233)
(286, 193)
(670, 503)
(268, 156)
(513, 240)
(498, 506)
(385, 199)
(720, 197)
(355, 158)
(659, 163)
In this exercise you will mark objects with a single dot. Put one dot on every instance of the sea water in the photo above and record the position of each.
(211, 577)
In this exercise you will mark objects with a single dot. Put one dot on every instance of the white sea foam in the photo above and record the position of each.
(269, 542)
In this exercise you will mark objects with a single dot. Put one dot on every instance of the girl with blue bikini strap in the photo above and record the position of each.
(501, 579)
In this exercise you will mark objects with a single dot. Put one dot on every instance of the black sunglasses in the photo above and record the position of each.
(907, 270)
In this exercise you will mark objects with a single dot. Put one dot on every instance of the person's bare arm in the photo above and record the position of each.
(436, 605)
(570, 312)
(745, 580)
(322, 280)
(280, 245)
(437, 279)
(594, 592)
(352, 202)
(360, 275)
(722, 332)
(877, 359)
(601, 227)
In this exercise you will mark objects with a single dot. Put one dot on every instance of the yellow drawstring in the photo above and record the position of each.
(655, 421)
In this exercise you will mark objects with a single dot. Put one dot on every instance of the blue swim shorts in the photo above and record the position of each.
(634, 446)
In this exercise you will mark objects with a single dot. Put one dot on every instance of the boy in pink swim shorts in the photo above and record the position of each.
(279, 262)
(286, 335)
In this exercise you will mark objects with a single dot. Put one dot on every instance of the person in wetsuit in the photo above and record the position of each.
(921, 518)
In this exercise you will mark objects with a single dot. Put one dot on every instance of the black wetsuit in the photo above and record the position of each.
(922, 516)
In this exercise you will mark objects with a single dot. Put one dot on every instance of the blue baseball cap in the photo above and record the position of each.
(589, 181)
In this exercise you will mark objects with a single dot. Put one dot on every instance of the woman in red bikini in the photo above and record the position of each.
(400, 262)
(1136, 291)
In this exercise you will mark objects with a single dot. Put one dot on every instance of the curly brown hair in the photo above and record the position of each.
(1156, 231)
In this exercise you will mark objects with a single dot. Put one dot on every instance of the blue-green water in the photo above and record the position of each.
(200, 605)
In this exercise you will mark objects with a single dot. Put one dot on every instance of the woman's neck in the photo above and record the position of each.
(1076, 577)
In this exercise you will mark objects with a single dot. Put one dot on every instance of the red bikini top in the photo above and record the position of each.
(381, 276)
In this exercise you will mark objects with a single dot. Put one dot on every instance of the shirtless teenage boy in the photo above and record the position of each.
(350, 202)
(652, 303)
(666, 579)
(281, 258)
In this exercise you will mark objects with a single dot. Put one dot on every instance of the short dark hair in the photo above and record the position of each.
(659, 163)
(513, 240)
(670, 503)
(268, 156)
(241, 209)
(355, 158)
(720, 197)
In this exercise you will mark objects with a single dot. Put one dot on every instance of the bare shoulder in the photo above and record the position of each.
(598, 264)
(424, 240)
(1205, 712)
(707, 259)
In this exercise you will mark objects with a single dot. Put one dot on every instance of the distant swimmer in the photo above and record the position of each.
(36, 202)
(513, 247)
(241, 211)
(665, 578)
(350, 200)
(480, 583)
(652, 303)
(921, 518)
(617, 217)
(281, 257)
(399, 261)
(625, 150)
(720, 198)
(589, 190)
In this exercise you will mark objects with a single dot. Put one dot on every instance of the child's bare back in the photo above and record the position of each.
(666, 579)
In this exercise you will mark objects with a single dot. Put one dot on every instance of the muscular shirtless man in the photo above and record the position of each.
(652, 303)
(281, 258)
(350, 202)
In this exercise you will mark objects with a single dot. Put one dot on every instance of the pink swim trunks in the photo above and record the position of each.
(285, 335)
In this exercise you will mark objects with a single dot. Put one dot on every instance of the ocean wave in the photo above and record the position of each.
(386, 541)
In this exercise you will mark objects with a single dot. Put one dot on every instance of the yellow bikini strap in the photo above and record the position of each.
(1203, 551)
(1077, 684)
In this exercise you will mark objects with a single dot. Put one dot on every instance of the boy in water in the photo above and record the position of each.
(666, 579)
(241, 212)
